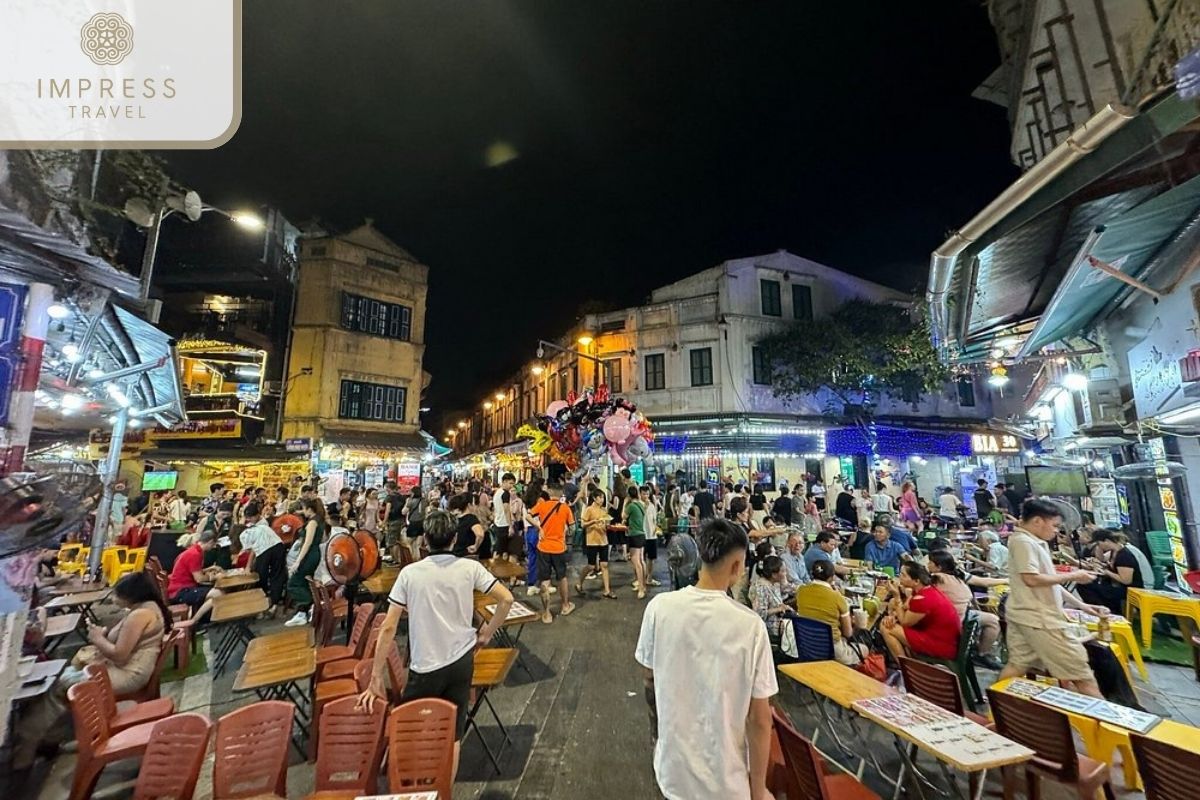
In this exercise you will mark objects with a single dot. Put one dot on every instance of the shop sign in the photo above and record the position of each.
(983, 444)
(1105, 503)
(297, 445)
(408, 474)
(1154, 363)
(134, 443)
(200, 429)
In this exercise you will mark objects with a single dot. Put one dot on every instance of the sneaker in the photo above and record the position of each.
(653, 582)
(532, 591)
(300, 618)
(553, 590)
(593, 576)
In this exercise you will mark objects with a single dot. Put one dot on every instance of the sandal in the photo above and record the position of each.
(579, 589)
(609, 595)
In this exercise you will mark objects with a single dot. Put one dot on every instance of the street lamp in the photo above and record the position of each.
(537, 369)
(487, 405)
(501, 396)
(586, 339)
(462, 424)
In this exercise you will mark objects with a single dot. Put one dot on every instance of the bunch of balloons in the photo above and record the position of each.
(580, 430)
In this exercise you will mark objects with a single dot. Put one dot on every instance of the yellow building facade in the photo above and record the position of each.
(354, 375)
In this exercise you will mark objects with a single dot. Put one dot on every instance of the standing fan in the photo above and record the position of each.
(286, 526)
(351, 557)
(1071, 518)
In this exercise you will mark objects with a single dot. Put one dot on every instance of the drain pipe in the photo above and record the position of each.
(942, 264)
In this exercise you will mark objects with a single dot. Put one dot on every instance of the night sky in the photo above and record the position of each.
(651, 140)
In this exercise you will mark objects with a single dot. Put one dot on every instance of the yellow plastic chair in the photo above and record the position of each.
(1148, 602)
(118, 561)
(73, 558)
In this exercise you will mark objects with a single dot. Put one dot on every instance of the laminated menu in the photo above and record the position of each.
(517, 611)
(1085, 706)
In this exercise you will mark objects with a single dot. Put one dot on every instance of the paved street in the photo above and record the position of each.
(579, 727)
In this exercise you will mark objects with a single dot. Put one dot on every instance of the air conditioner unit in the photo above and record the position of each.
(1101, 403)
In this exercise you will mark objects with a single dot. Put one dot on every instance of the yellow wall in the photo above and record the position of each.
(319, 343)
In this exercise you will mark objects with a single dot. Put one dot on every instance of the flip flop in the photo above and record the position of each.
(564, 612)
(609, 595)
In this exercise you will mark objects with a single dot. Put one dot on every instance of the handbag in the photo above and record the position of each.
(874, 666)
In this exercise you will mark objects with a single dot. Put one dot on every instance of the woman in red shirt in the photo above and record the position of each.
(924, 622)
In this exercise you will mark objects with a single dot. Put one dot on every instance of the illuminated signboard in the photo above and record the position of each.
(994, 444)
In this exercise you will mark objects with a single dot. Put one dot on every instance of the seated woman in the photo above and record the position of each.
(921, 621)
(1120, 569)
(128, 651)
(956, 586)
(819, 601)
(766, 595)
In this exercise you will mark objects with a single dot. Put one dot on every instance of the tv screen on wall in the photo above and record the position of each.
(159, 481)
(1057, 481)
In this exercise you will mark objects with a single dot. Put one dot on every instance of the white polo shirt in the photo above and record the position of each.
(710, 657)
(259, 538)
(500, 508)
(438, 593)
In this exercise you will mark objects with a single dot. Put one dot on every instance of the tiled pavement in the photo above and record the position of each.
(579, 727)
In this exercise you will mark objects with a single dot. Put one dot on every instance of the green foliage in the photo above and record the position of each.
(863, 351)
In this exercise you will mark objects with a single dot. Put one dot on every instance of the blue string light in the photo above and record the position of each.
(897, 442)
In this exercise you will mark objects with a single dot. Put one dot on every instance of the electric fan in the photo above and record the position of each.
(351, 557)
(1071, 518)
(286, 526)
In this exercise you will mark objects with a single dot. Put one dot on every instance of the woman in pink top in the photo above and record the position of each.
(909, 508)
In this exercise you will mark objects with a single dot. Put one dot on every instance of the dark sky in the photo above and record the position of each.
(655, 139)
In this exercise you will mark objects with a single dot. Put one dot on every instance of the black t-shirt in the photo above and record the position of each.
(1124, 558)
(1014, 501)
(783, 509)
(705, 501)
(984, 503)
(396, 500)
(758, 501)
(464, 535)
(845, 507)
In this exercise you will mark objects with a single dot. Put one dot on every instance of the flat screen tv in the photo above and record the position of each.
(159, 481)
(1057, 481)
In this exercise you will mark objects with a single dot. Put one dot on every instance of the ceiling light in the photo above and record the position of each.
(95, 372)
(117, 395)
(250, 372)
(462, 423)
(70, 350)
(999, 377)
(57, 311)
(1075, 381)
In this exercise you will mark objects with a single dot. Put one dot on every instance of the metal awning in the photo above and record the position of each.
(39, 255)
(1129, 243)
(374, 440)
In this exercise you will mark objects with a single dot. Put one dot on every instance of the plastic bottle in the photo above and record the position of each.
(1104, 630)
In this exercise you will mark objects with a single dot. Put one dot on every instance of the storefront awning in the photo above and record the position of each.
(1128, 243)
(372, 440)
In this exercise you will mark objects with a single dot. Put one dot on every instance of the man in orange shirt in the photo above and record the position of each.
(553, 518)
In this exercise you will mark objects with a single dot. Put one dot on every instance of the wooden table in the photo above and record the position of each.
(492, 665)
(517, 618)
(39, 680)
(291, 639)
(831, 682)
(954, 742)
(231, 611)
(1149, 602)
(58, 628)
(78, 601)
(233, 580)
(277, 675)
(503, 569)
(382, 581)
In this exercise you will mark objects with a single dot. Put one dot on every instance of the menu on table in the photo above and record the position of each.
(1075, 615)
(517, 611)
(409, 796)
(952, 737)
(1121, 716)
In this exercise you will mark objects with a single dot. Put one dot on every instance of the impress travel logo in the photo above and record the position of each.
(79, 74)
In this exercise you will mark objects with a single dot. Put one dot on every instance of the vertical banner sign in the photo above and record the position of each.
(1105, 505)
(12, 302)
(1170, 507)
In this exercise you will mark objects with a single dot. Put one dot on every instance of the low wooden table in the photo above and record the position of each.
(232, 611)
(233, 580)
(39, 680)
(953, 741)
(58, 628)
(277, 676)
(831, 682)
(503, 569)
(296, 638)
(492, 665)
(517, 618)
(78, 601)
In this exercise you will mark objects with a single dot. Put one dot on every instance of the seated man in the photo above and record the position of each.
(819, 601)
(884, 551)
(825, 548)
(794, 561)
(188, 574)
(995, 554)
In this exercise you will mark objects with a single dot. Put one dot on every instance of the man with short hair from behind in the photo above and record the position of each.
(711, 709)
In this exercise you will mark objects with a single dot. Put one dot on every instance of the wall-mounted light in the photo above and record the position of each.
(57, 311)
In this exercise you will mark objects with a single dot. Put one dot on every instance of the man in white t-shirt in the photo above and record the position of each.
(177, 509)
(437, 593)
(1039, 635)
(501, 515)
(269, 557)
(711, 712)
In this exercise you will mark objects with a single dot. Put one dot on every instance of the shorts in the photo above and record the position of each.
(616, 538)
(193, 596)
(504, 540)
(596, 553)
(636, 541)
(651, 548)
(452, 682)
(551, 566)
(1055, 650)
(394, 534)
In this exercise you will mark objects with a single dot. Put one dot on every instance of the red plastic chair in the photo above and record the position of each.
(151, 690)
(172, 762)
(344, 667)
(134, 713)
(421, 747)
(99, 747)
(1048, 734)
(802, 773)
(251, 751)
(353, 648)
(1169, 772)
(351, 749)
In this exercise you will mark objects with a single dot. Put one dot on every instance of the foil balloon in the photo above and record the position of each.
(555, 407)
(638, 448)
(616, 456)
(616, 429)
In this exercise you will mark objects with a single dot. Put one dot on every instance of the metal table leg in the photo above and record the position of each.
(472, 725)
